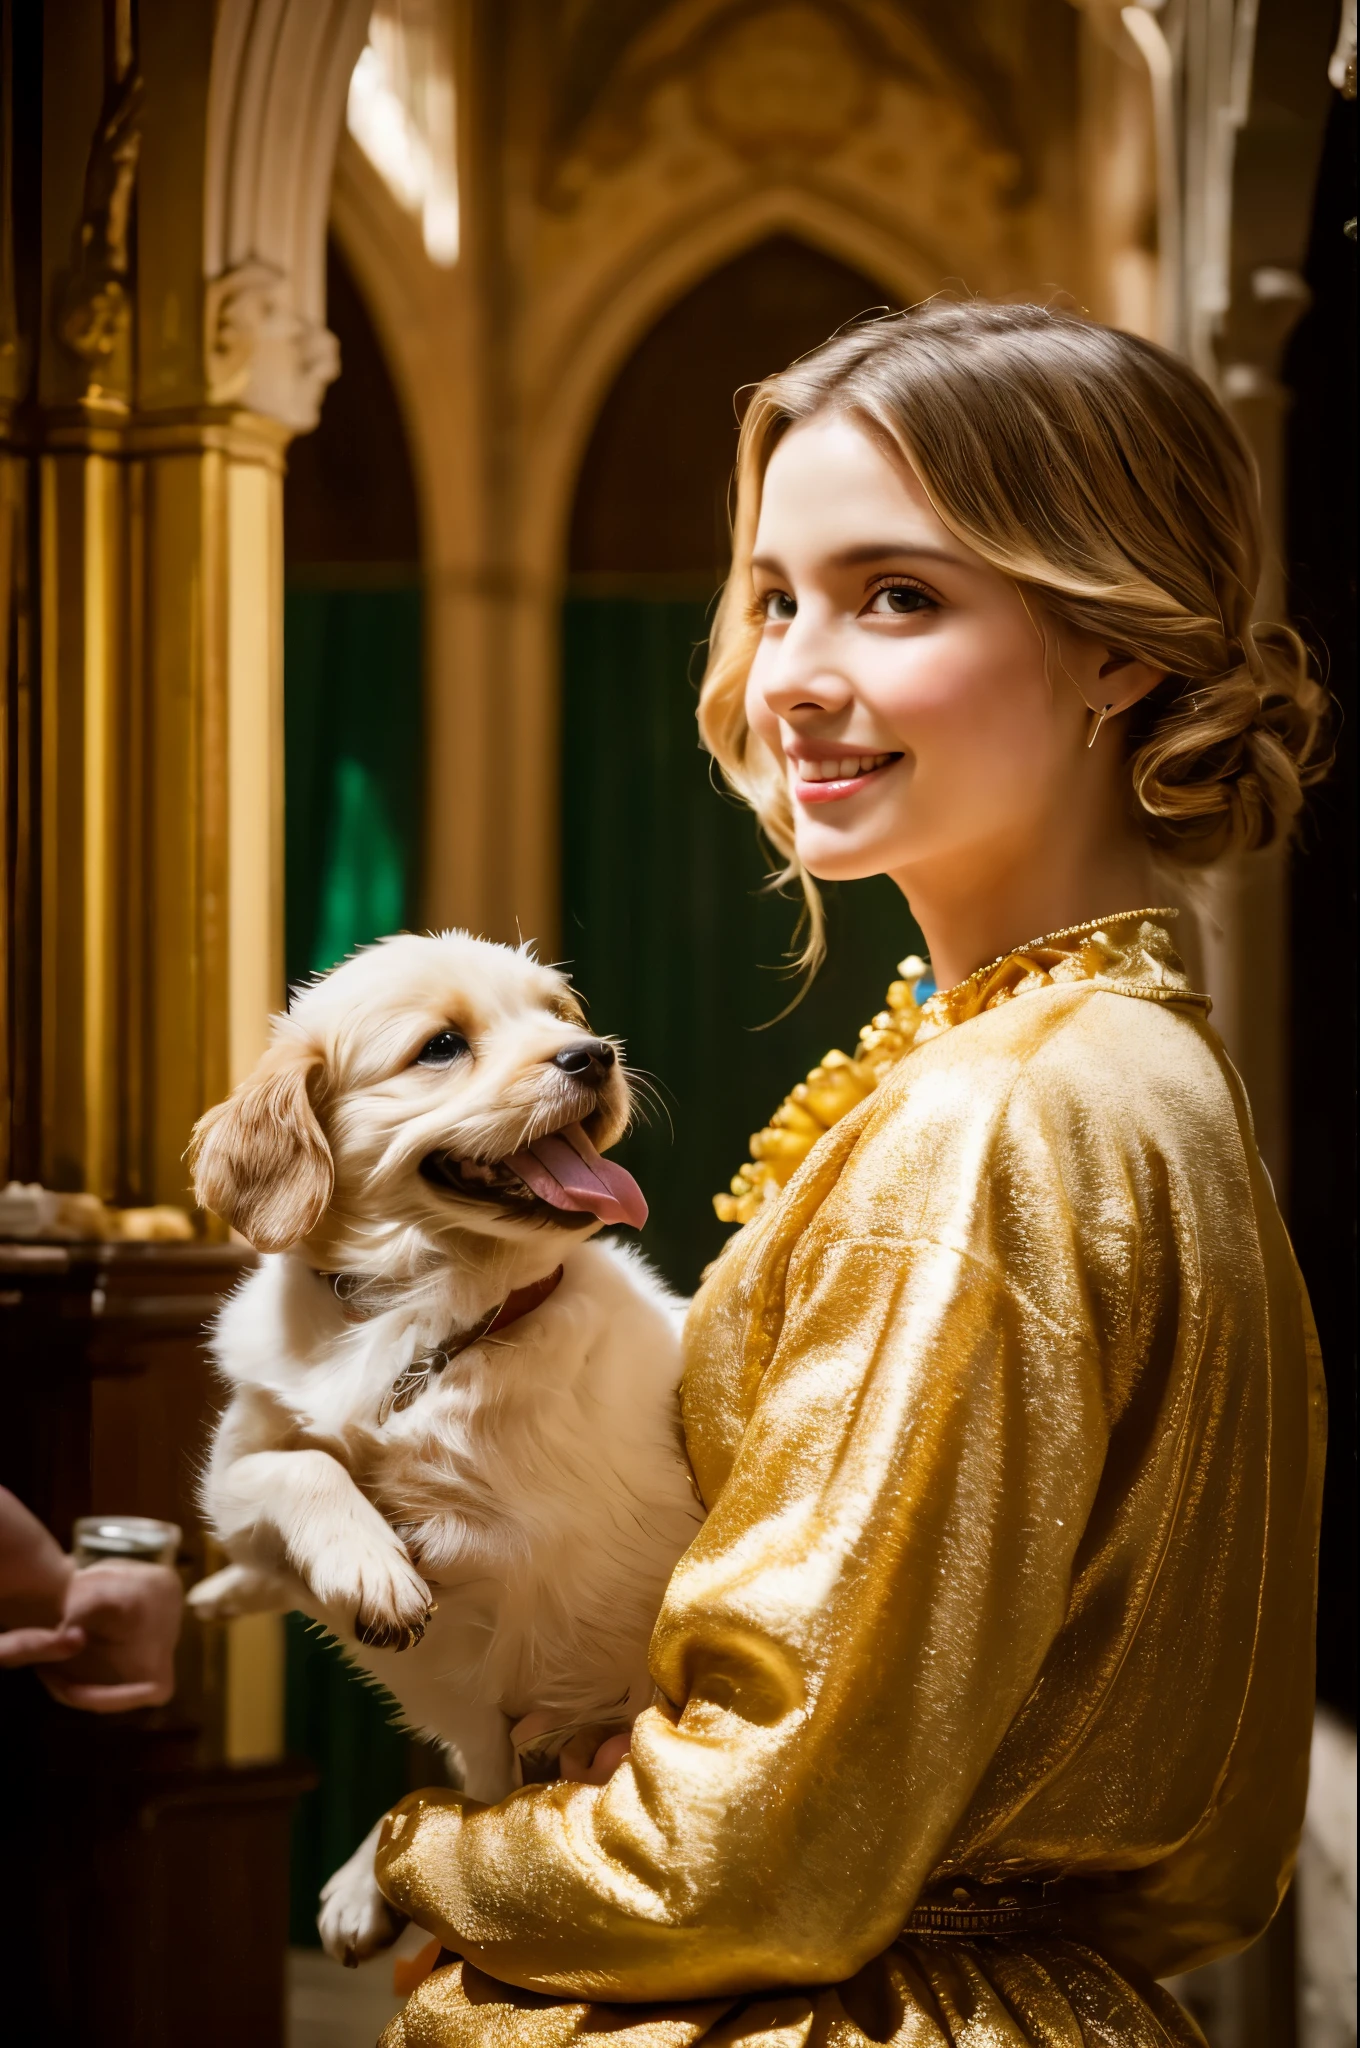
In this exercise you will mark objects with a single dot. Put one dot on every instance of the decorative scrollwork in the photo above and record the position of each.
(785, 81)
(94, 307)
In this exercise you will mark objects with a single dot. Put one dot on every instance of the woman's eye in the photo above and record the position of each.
(899, 601)
(778, 607)
(442, 1050)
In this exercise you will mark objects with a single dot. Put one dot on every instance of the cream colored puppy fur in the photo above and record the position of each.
(504, 1540)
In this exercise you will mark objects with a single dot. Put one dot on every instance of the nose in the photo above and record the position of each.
(587, 1059)
(804, 673)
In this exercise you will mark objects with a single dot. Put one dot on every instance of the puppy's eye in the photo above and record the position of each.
(442, 1050)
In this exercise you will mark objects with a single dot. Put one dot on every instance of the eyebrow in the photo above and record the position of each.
(870, 551)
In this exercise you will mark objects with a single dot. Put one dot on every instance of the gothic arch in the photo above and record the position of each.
(642, 284)
(568, 376)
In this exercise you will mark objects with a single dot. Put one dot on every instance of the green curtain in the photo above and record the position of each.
(670, 933)
(352, 712)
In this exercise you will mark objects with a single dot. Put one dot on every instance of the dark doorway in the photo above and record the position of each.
(671, 934)
(1321, 455)
(652, 496)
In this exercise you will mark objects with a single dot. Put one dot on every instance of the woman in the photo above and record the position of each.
(984, 1694)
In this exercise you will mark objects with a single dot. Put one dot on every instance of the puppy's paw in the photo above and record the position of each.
(355, 1920)
(239, 1589)
(392, 1614)
(386, 1595)
(388, 1635)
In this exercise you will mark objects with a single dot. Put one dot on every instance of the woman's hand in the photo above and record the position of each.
(586, 1760)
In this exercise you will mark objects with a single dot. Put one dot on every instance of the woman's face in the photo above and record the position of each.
(901, 679)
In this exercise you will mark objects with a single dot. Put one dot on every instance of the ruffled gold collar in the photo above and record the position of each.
(1130, 953)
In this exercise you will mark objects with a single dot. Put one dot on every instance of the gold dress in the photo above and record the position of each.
(984, 1693)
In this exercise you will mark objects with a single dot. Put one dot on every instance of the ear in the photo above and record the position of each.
(1124, 681)
(260, 1159)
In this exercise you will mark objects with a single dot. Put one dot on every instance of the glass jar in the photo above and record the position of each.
(124, 1539)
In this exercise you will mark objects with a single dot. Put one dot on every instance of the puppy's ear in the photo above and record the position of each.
(260, 1159)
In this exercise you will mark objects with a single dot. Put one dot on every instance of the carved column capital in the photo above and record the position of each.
(261, 350)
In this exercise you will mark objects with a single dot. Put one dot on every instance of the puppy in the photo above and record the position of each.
(453, 1431)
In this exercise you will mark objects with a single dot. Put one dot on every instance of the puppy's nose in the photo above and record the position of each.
(589, 1059)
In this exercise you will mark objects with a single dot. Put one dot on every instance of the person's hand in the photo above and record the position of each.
(585, 1760)
(128, 1617)
(101, 1639)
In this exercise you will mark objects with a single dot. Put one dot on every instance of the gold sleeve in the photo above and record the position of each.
(847, 1640)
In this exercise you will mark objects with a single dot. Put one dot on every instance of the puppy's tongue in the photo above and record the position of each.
(566, 1170)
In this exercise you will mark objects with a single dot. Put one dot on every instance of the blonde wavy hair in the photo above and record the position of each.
(1103, 476)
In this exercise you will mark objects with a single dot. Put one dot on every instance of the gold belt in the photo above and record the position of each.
(967, 1911)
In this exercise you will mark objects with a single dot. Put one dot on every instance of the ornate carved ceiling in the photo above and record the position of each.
(611, 56)
(886, 134)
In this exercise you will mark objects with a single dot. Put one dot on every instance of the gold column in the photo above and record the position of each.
(142, 534)
(161, 751)
(17, 708)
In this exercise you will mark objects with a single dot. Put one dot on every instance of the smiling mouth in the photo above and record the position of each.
(822, 782)
(559, 1178)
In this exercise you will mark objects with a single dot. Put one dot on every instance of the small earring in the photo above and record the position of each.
(1099, 721)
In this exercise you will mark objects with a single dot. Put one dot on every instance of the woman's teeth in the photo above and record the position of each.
(843, 770)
